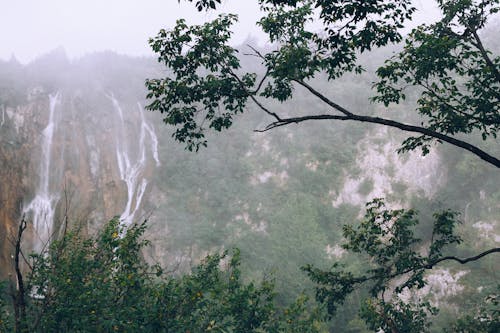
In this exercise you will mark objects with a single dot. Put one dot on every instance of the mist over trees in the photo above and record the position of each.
(453, 79)
(290, 198)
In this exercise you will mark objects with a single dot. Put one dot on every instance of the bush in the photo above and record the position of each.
(102, 284)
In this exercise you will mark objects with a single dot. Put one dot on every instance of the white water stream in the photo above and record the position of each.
(130, 166)
(42, 207)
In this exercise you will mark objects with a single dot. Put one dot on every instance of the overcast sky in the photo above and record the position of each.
(29, 28)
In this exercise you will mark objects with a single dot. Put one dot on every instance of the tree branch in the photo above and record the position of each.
(376, 120)
(19, 295)
(465, 260)
(261, 82)
(429, 265)
(485, 56)
(324, 99)
(256, 101)
(391, 123)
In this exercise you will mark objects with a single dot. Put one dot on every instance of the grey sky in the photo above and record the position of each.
(29, 28)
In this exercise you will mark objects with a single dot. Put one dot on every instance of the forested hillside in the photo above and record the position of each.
(78, 148)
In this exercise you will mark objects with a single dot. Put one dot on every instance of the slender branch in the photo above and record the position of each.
(19, 296)
(251, 55)
(428, 265)
(256, 101)
(261, 82)
(465, 260)
(485, 56)
(257, 53)
(266, 110)
(391, 123)
(296, 120)
(12, 242)
(324, 98)
(260, 56)
(377, 120)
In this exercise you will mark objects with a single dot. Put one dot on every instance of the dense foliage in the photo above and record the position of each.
(444, 67)
(102, 284)
(457, 77)
(271, 195)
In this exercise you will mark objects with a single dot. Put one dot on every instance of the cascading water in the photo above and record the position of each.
(152, 135)
(42, 207)
(132, 170)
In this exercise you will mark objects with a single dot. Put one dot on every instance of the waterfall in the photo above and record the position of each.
(152, 135)
(43, 205)
(132, 169)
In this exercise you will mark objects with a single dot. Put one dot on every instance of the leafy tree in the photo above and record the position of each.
(444, 66)
(386, 239)
(486, 318)
(458, 78)
(102, 284)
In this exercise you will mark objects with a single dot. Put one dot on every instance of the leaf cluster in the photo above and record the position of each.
(458, 78)
(102, 284)
(394, 261)
(205, 87)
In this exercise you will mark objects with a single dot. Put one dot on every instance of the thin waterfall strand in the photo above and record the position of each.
(131, 170)
(43, 205)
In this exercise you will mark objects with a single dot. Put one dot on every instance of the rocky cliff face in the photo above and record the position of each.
(83, 157)
(16, 148)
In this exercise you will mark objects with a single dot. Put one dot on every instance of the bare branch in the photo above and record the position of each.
(324, 98)
(261, 82)
(429, 265)
(375, 120)
(252, 96)
(465, 260)
(485, 56)
(19, 295)
(296, 120)
(257, 53)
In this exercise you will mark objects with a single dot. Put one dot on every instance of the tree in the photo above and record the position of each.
(456, 81)
(458, 78)
(396, 261)
(102, 284)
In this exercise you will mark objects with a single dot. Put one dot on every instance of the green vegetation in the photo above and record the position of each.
(452, 80)
(101, 284)
(447, 61)
(274, 195)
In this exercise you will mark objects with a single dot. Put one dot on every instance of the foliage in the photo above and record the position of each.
(202, 48)
(485, 320)
(395, 263)
(458, 78)
(5, 316)
(93, 284)
(102, 284)
(447, 63)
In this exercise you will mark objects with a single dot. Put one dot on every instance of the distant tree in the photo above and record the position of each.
(485, 319)
(455, 78)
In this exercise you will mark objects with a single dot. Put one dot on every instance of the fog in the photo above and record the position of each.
(32, 27)
(78, 148)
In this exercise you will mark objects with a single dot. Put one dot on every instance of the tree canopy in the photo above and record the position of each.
(456, 78)
(444, 67)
